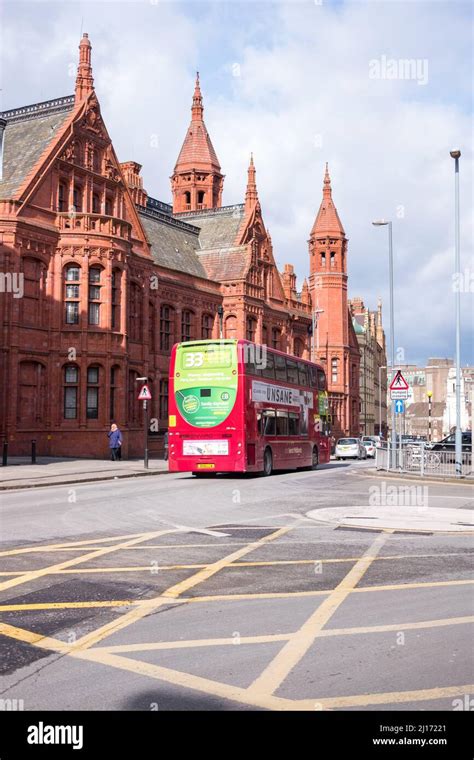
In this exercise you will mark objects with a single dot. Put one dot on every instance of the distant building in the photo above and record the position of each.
(373, 367)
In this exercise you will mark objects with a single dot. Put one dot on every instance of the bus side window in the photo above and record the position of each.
(282, 423)
(293, 424)
(269, 426)
(302, 374)
(321, 380)
(280, 368)
(259, 423)
(313, 376)
(269, 369)
(292, 371)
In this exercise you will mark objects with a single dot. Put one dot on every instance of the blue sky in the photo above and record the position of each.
(294, 83)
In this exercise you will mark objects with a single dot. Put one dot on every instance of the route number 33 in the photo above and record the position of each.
(193, 359)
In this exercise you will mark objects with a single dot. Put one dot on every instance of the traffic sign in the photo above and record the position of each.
(399, 406)
(145, 394)
(399, 383)
(399, 394)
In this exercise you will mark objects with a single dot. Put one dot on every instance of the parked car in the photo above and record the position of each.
(376, 439)
(370, 446)
(350, 448)
(449, 443)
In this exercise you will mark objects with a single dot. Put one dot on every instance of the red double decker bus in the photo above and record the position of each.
(235, 406)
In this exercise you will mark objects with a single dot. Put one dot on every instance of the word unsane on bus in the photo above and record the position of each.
(267, 392)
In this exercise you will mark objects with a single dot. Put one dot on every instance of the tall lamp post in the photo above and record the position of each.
(384, 366)
(315, 319)
(429, 394)
(457, 268)
(383, 223)
(220, 314)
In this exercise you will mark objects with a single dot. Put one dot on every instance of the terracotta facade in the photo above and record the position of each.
(109, 278)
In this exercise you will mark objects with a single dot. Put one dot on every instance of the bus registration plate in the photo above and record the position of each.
(206, 466)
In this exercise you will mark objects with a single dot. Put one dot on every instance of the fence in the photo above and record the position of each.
(421, 460)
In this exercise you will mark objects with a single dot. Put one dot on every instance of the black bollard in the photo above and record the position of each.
(5, 454)
(33, 451)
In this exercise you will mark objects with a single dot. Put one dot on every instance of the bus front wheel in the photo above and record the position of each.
(267, 462)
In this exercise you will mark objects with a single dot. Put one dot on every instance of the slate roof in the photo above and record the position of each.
(28, 132)
(219, 227)
(173, 243)
(227, 264)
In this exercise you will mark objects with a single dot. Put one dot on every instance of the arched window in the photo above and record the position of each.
(72, 287)
(114, 385)
(333, 259)
(109, 206)
(77, 198)
(71, 391)
(95, 275)
(135, 312)
(276, 338)
(230, 327)
(201, 195)
(93, 383)
(34, 285)
(164, 399)
(31, 395)
(298, 347)
(187, 199)
(166, 327)
(62, 196)
(251, 329)
(323, 260)
(151, 326)
(206, 326)
(116, 290)
(334, 370)
(95, 203)
(186, 324)
(134, 406)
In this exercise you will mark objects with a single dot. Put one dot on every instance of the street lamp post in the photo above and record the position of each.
(383, 223)
(429, 394)
(220, 314)
(380, 397)
(315, 319)
(457, 268)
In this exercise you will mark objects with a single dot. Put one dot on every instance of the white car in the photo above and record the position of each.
(369, 447)
(350, 448)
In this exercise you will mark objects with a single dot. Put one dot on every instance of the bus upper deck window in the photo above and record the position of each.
(269, 369)
(292, 371)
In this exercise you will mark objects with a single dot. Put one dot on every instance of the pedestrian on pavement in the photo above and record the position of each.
(165, 443)
(115, 442)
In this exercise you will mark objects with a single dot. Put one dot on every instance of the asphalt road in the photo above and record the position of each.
(174, 593)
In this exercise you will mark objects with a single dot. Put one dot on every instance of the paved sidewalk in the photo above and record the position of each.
(47, 471)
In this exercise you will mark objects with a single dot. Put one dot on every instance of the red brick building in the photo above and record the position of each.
(98, 279)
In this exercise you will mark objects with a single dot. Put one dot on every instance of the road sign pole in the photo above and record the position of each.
(145, 429)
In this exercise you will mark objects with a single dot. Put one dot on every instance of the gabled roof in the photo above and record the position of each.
(227, 264)
(28, 133)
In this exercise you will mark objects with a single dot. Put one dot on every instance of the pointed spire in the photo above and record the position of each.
(197, 109)
(251, 194)
(327, 221)
(84, 79)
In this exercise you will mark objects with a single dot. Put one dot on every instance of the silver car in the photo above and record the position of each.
(350, 448)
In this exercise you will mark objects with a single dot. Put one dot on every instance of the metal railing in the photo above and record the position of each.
(421, 460)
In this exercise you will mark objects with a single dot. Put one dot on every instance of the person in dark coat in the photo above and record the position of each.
(115, 442)
(165, 445)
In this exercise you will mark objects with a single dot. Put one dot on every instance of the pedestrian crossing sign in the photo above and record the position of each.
(399, 383)
(144, 394)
